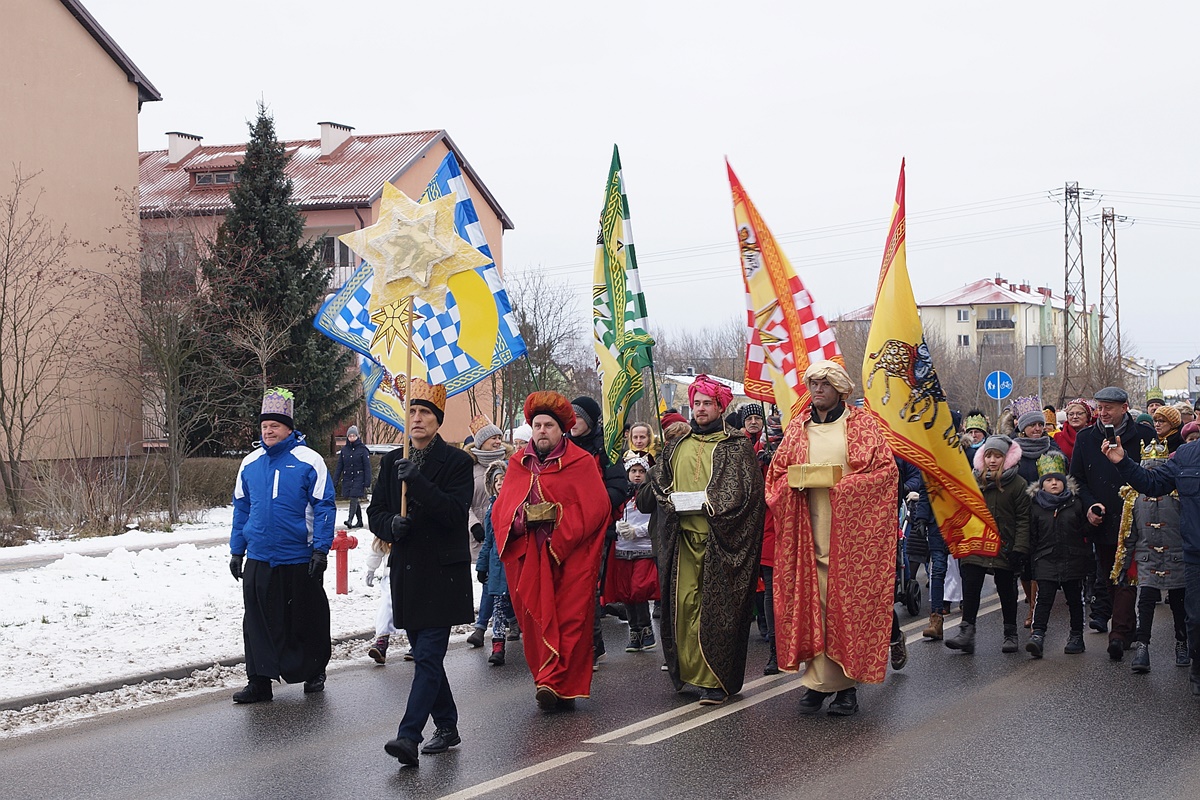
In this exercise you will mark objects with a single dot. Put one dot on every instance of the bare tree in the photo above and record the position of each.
(40, 331)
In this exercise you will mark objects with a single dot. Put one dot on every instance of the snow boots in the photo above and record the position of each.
(378, 650)
(1010, 639)
(496, 659)
(963, 640)
(933, 632)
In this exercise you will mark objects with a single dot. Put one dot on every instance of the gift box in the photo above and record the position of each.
(541, 512)
(814, 476)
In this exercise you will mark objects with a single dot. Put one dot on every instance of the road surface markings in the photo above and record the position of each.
(515, 777)
(712, 716)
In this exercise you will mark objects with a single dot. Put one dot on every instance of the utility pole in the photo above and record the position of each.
(1110, 306)
(1076, 362)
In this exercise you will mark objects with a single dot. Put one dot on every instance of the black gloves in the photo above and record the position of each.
(405, 469)
(316, 565)
(482, 574)
(1017, 561)
(477, 532)
(235, 566)
(400, 526)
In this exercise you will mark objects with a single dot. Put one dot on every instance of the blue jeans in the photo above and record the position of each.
(937, 579)
(486, 608)
(430, 695)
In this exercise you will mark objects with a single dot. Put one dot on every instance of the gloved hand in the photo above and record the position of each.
(482, 574)
(1017, 561)
(370, 577)
(235, 566)
(477, 532)
(913, 497)
(316, 564)
(400, 528)
(624, 530)
(405, 469)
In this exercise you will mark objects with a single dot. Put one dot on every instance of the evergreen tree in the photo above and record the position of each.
(268, 282)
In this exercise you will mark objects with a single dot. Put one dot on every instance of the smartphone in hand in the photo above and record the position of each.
(1110, 433)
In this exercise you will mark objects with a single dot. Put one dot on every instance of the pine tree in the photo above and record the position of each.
(268, 282)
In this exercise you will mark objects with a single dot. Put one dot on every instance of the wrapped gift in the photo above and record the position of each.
(689, 502)
(814, 476)
(541, 512)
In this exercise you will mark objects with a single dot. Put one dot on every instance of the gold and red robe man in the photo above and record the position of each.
(553, 567)
(843, 537)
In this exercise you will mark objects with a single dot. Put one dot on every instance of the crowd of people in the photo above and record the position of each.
(708, 524)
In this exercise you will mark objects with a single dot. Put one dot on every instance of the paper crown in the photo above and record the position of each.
(478, 423)
(1026, 404)
(427, 394)
(1052, 464)
(1155, 393)
(278, 404)
(976, 422)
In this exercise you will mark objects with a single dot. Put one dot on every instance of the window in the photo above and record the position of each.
(222, 178)
(964, 315)
(336, 253)
(1004, 312)
(964, 340)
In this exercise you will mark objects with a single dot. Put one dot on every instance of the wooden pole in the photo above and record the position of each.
(408, 379)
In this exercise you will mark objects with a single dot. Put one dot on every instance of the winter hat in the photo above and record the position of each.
(1189, 429)
(278, 406)
(1170, 414)
(752, 410)
(733, 420)
(493, 472)
(1146, 419)
(553, 405)
(352, 431)
(588, 410)
(976, 422)
(1029, 418)
(487, 432)
(522, 434)
(998, 442)
(636, 460)
(674, 416)
(431, 396)
(1052, 463)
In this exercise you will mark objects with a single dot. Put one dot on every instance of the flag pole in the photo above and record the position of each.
(532, 376)
(657, 402)
(408, 366)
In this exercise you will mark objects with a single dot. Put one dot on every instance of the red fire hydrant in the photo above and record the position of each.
(341, 545)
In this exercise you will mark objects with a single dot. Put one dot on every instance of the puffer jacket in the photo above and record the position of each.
(1180, 473)
(353, 469)
(283, 504)
(1058, 539)
(1009, 505)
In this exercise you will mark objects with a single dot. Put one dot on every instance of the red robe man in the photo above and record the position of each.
(549, 521)
(835, 546)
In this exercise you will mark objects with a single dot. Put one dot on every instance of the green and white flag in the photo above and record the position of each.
(618, 313)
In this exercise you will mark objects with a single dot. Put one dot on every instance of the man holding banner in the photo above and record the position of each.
(832, 488)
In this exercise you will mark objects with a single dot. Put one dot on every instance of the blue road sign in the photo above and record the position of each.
(998, 385)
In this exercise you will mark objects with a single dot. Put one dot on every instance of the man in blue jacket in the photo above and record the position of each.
(283, 517)
(1180, 473)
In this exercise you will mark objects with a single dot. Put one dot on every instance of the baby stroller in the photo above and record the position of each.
(908, 591)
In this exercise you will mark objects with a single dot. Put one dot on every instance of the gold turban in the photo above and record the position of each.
(833, 373)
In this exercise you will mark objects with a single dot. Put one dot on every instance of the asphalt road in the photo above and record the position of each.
(949, 725)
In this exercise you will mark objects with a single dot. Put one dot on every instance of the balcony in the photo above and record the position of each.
(997, 350)
(995, 324)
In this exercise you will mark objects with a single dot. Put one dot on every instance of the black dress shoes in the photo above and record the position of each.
(812, 701)
(403, 750)
(443, 739)
(844, 703)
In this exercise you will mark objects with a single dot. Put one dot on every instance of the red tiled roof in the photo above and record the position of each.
(352, 176)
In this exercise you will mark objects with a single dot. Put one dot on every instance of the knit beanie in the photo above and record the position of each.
(1170, 414)
(1027, 419)
(998, 442)
(588, 410)
(352, 431)
(487, 432)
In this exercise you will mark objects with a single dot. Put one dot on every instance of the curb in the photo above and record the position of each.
(175, 673)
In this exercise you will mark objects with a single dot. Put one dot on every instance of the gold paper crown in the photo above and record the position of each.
(433, 394)
(479, 422)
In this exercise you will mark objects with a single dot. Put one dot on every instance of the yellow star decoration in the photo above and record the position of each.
(393, 323)
(414, 248)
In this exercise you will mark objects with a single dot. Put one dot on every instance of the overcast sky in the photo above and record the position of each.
(994, 106)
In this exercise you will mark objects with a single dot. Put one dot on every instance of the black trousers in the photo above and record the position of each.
(1148, 598)
(1006, 589)
(1047, 591)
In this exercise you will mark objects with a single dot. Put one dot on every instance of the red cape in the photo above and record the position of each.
(862, 558)
(553, 585)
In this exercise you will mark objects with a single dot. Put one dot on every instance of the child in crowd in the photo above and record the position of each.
(383, 619)
(633, 573)
(490, 570)
(996, 465)
(1150, 554)
(1062, 556)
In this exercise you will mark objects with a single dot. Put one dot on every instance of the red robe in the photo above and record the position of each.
(553, 569)
(862, 558)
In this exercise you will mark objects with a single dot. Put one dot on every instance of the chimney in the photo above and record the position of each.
(180, 146)
(333, 135)
(1025, 287)
(1044, 291)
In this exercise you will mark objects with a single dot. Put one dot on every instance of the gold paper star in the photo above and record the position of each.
(393, 323)
(414, 248)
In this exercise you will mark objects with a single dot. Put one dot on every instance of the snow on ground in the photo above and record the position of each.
(86, 620)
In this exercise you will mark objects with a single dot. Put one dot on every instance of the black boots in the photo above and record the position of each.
(772, 667)
(963, 640)
(1075, 644)
(1010, 639)
(844, 703)
(1141, 658)
(258, 690)
(1036, 644)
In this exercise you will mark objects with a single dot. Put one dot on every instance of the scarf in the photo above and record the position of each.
(715, 426)
(834, 414)
(1001, 479)
(1066, 440)
(486, 457)
(1053, 501)
(1032, 448)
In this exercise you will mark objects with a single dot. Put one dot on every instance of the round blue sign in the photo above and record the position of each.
(998, 385)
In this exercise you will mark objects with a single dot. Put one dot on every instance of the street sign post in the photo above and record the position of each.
(998, 385)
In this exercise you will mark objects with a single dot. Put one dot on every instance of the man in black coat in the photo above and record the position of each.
(1099, 487)
(430, 563)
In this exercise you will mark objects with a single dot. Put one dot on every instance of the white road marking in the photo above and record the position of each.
(712, 716)
(514, 777)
